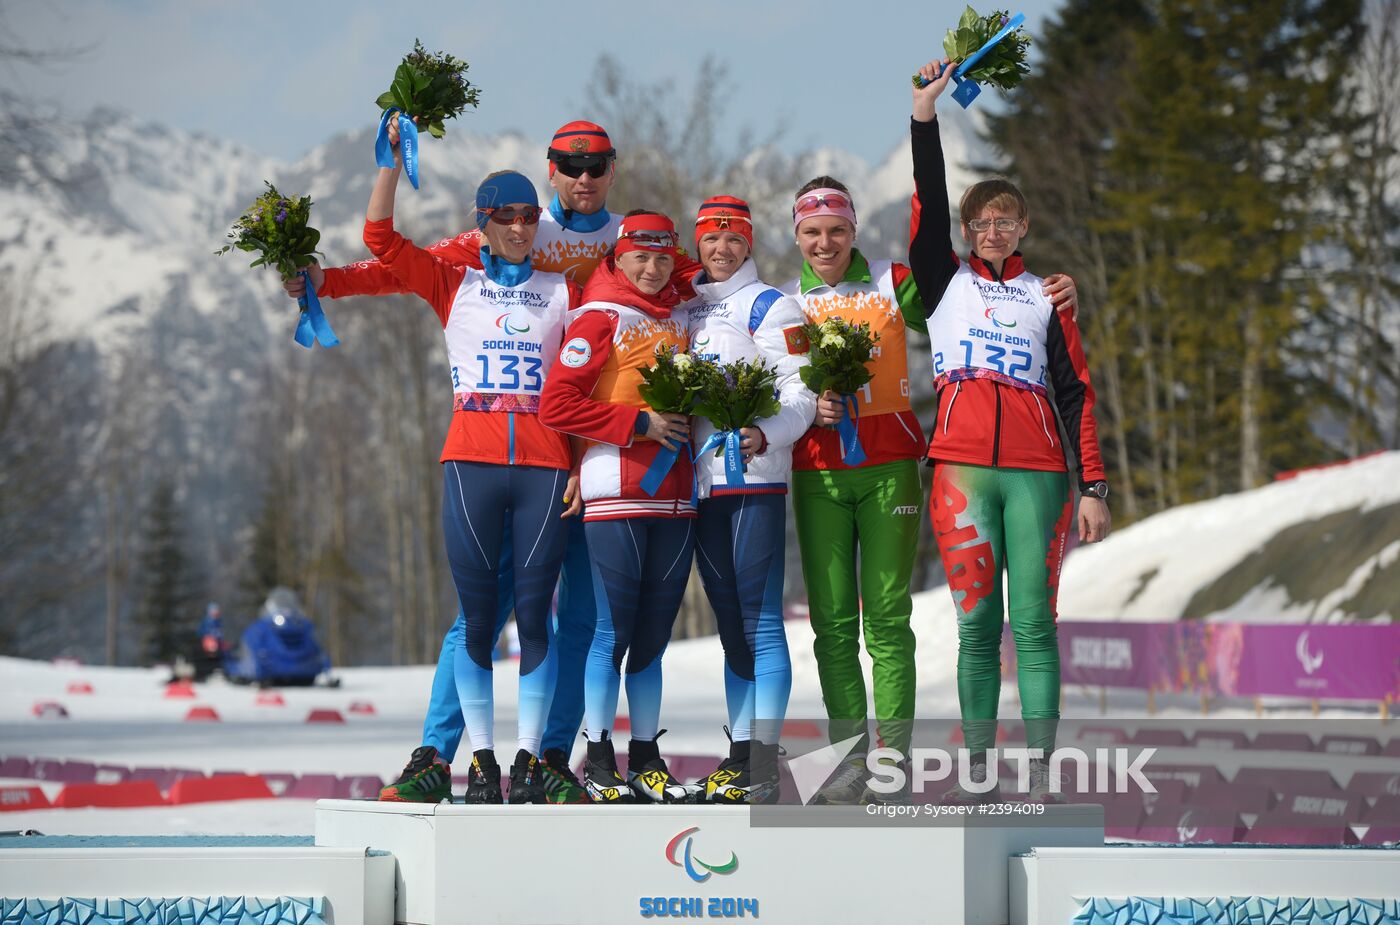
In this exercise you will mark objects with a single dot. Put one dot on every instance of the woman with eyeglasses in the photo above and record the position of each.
(503, 325)
(640, 542)
(857, 507)
(1008, 369)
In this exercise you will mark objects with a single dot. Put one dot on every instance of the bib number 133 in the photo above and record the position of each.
(508, 372)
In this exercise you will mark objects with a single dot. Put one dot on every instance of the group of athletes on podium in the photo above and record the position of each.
(550, 314)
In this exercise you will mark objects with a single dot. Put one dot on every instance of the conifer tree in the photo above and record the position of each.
(167, 601)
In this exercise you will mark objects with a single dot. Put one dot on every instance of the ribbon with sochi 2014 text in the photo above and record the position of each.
(733, 455)
(852, 453)
(313, 324)
(408, 143)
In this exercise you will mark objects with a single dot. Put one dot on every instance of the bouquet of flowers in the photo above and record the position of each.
(989, 49)
(276, 228)
(675, 382)
(735, 396)
(839, 351)
(670, 387)
(427, 90)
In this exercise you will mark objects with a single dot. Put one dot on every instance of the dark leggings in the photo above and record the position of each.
(640, 570)
(478, 501)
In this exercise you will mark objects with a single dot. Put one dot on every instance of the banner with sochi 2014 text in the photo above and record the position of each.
(1334, 661)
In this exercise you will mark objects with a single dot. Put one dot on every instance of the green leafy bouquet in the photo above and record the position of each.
(737, 394)
(1004, 64)
(673, 385)
(839, 351)
(275, 227)
(430, 89)
(670, 387)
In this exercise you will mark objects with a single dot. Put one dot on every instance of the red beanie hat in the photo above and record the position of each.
(649, 231)
(579, 137)
(724, 213)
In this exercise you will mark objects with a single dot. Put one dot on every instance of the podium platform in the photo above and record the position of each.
(159, 879)
(601, 865)
(1060, 886)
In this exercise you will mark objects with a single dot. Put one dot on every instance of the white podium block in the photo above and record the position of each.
(601, 865)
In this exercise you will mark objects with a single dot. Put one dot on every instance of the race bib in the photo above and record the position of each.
(988, 330)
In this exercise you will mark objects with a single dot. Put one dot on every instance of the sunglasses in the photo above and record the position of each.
(1004, 225)
(809, 204)
(656, 240)
(574, 166)
(509, 215)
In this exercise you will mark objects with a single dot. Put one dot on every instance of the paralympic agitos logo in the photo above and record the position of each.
(691, 863)
(992, 317)
(505, 324)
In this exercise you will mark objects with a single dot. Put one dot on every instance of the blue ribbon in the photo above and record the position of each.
(968, 89)
(313, 325)
(733, 455)
(408, 143)
(852, 453)
(660, 466)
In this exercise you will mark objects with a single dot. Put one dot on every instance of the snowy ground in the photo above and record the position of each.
(128, 721)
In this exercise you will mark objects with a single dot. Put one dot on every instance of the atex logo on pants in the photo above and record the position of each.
(905, 509)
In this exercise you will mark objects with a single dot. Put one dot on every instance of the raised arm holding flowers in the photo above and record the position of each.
(988, 50)
(427, 90)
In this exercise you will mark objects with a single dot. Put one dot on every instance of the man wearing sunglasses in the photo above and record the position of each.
(574, 232)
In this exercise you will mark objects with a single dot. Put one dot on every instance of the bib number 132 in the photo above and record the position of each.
(994, 358)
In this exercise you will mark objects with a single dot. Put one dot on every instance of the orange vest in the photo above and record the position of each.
(875, 304)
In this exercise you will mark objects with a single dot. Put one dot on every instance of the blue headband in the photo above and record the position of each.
(501, 190)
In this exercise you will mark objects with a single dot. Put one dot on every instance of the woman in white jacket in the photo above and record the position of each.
(742, 528)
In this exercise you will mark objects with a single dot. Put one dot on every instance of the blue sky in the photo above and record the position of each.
(281, 77)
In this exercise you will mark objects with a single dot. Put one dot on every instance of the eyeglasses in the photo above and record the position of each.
(809, 204)
(575, 165)
(509, 215)
(655, 240)
(1004, 225)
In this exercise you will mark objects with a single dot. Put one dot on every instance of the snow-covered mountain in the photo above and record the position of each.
(1324, 547)
(111, 217)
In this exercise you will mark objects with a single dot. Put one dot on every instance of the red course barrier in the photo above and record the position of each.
(79, 687)
(179, 690)
(270, 699)
(14, 799)
(325, 716)
(216, 789)
(131, 793)
(362, 708)
(202, 715)
(50, 709)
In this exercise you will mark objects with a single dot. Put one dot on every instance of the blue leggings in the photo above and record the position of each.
(576, 615)
(640, 569)
(739, 549)
(478, 500)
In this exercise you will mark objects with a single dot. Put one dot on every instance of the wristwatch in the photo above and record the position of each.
(1097, 489)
